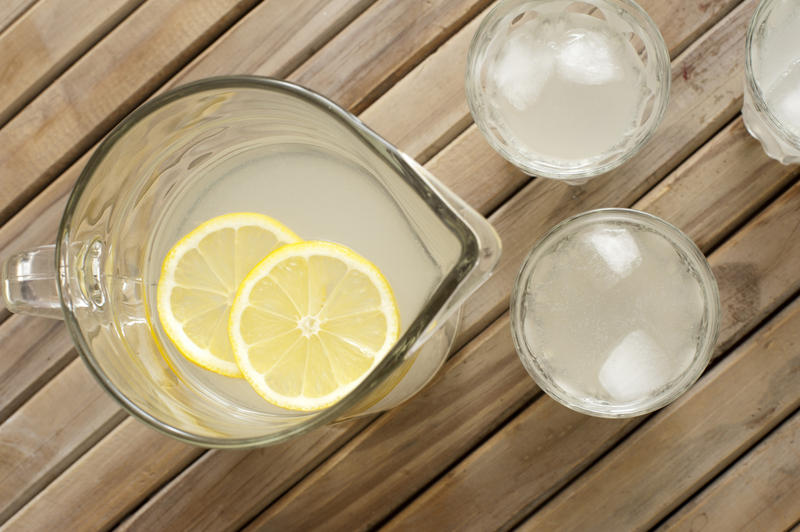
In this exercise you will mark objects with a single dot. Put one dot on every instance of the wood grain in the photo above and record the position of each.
(723, 184)
(432, 95)
(381, 46)
(81, 105)
(759, 492)
(685, 445)
(58, 424)
(11, 10)
(518, 468)
(46, 39)
(210, 495)
(25, 365)
(273, 40)
(100, 488)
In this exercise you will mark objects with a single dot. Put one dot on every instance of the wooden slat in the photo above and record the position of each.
(214, 500)
(542, 466)
(434, 109)
(47, 433)
(723, 184)
(273, 41)
(687, 444)
(97, 500)
(701, 102)
(93, 94)
(759, 492)
(25, 365)
(46, 39)
(11, 10)
(399, 35)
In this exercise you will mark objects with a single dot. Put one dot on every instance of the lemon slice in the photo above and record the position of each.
(310, 322)
(199, 279)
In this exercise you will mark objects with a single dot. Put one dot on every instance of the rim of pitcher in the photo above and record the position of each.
(394, 358)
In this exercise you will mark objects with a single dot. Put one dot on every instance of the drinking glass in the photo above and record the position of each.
(771, 107)
(588, 84)
(596, 353)
(99, 275)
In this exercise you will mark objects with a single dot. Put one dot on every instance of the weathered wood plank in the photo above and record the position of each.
(232, 476)
(381, 46)
(80, 106)
(25, 365)
(476, 390)
(497, 498)
(11, 10)
(46, 39)
(701, 102)
(684, 446)
(759, 492)
(58, 424)
(426, 109)
(723, 184)
(108, 487)
(273, 40)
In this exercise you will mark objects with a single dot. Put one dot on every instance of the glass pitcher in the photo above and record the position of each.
(173, 163)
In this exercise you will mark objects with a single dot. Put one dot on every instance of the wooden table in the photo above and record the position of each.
(481, 447)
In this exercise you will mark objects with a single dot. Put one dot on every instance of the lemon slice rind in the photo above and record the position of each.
(329, 334)
(202, 355)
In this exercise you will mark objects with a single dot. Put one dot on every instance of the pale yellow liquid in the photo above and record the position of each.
(567, 88)
(615, 314)
(318, 196)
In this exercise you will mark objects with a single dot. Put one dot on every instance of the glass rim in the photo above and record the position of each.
(394, 358)
(759, 101)
(708, 284)
(549, 170)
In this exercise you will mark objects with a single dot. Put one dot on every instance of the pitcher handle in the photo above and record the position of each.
(28, 283)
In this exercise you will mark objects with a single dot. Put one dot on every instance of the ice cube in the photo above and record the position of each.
(587, 57)
(635, 368)
(617, 248)
(523, 66)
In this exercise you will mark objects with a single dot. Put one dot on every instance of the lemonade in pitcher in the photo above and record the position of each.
(241, 260)
(305, 353)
